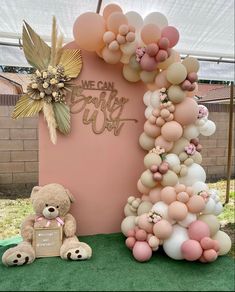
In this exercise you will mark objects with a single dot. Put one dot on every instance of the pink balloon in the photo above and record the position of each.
(115, 20)
(172, 34)
(191, 250)
(88, 31)
(162, 55)
(192, 77)
(198, 230)
(131, 233)
(161, 80)
(130, 37)
(186, 112)
(130, 242)
(150, 33)
(141, 235)
(109, 9)
(207, 243)
(152, 49)
(210, 255)
(144, 224)
(163, 43)
(142, 252)
(148, 63)
(186, 85)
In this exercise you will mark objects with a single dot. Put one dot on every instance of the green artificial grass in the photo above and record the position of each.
(112, 268)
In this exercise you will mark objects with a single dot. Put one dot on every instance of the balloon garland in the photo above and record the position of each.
(177, 209)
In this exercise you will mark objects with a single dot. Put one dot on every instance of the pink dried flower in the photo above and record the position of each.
(139, 53)
(190, 149)
(203, 111)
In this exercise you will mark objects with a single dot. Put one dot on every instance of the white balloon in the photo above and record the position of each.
(148, 112)
(201, 122)
(208, 128)
(224, 242)
(199, 186)
(156, 18)
(209, 208)
(218, 209)
(127, 224)
(213, 193)
(191, 132)
(135, 19)
(161, 208)
(172, 246)
(147, 97)
(172, 159)
(195, 173)
(155, 99)
(188, 220)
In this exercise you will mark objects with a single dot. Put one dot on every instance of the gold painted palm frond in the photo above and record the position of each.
(36, 51)
(71, 60)
(26, 107)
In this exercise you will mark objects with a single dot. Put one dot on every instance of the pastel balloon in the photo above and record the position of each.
(209, 208)
(156, 18)
(88, 31)
(186, 112)
(161, 80)
(128, 224)
(198, 230)
(152, 86)
(109, 9)
(210, 255)
(152, 159)
(108, 37)
(179, 146)
(128, 211)
(188, 220)
(218, 209)
(168, 195)
(146, 142)
(115, 20)
(172, 245)
(111, 57)
(173, 57)
(191, 132)
(125, 59)
(191, 64)
(195, 173)
(212, 222)
(171, 131)
(147, 179)
(154, 242)
(144, 224)
(191, 250)
(130, 242)
(129, 48)
(151, 130)
(161, 208)
(147, 97)
(141, 188)
(224, 241)
(161, 56)
(150, 33)
(176, 94)
(148, 112)
(172, 34)
(176, 73)
(172, 159)
(162, 229)
(155, 99)
(152, 49)
(144, 207)
(142, 252)
(169, 179)
(196, 204)
(147, 77)
(207, 243)
(141, 235)
(199, 186)
(155, 194)
(134, 64)
(148, 63)
(177, 211)
(192, 93)
(160, 141)
(208, 128)
(163, 43)
(129, 74)
(135, 19)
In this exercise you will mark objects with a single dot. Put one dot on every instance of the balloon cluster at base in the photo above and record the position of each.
(177, 209)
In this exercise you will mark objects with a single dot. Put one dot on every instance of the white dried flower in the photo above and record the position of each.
(53, 81)
(61, 84)
(54, 93)
(38, 73)
(45, 85)
(44, 74)
(42, 94)
(50, 68)
(54, 70)
(34, 85)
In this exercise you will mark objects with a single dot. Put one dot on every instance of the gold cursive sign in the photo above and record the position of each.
(103, 110)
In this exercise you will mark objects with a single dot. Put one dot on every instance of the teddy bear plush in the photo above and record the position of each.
(51, 204)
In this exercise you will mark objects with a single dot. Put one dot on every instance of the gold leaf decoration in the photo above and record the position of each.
(36, 51)
(51, 122)
(71, 60)
(62, 116)
(26, 107)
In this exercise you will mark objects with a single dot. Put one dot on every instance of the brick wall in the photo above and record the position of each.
(19, 147)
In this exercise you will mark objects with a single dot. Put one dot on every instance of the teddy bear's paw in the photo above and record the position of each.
(16, 257)
(81, 252)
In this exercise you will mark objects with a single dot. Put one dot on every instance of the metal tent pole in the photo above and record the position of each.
(230, 144)
(98, 6)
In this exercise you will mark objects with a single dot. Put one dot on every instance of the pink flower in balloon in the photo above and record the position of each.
(140, 51)
(154, 217)
(203, 111)
(205, 195)
(190, 149)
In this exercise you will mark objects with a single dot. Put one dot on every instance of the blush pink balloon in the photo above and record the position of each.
(130, 242)
(192, 77)
(163, 43)
(172, 34)
(207, 243)
(161, 80)
(130, 37)
(148, 63)
(144, 224)
(152, 49)
(198, 230)
(109, 9)
(150, 33)
(131, 233)
(115, 20)
(186, 85)
(210, 255)
(162, 55)
(141, 235)
(186, 112)
(191, 250)
(160, 141)
(142, 252)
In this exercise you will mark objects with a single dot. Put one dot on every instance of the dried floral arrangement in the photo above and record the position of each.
(55, 67)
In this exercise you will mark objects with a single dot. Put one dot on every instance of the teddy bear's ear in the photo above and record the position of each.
(71, 197)
(35, 190)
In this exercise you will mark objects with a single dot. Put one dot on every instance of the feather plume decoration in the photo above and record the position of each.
(51, 122)
(59, 50)
(53, 42)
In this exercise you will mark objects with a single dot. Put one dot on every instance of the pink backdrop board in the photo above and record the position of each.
(100, 161)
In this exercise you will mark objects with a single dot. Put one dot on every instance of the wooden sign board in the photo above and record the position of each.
(100, 161)
(47, 241)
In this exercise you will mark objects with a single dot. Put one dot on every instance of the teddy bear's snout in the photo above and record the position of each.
(51, 209)
(50, 212)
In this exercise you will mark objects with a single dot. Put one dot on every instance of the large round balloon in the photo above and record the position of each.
(195, 173)
(174, 57)
(172, 34)
(128, 224)
(156, 18)
(129, 74)
(176, 73)
(191, 64)
(172, 246)
(208, 128)
(161, 80)
(88, 31)
(150, 33)
(134, 19)
(224, 241)
(186, 112)
(171, 131)
(109, 9)
(115, 20)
